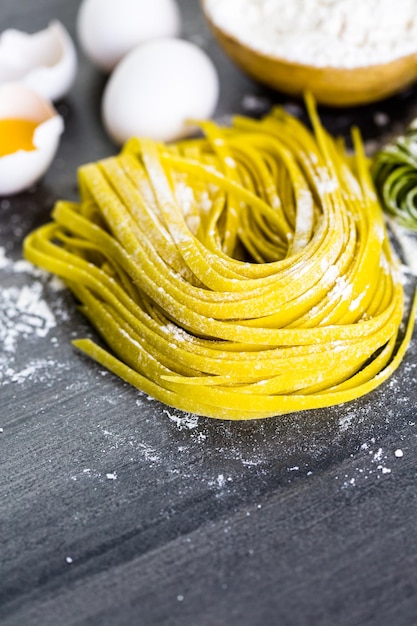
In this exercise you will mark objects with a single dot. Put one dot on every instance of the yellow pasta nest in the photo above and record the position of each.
(240, 275)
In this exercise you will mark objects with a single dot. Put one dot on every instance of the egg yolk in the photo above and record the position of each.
(16, 134)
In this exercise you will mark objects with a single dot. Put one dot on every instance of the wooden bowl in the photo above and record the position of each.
(330, 85)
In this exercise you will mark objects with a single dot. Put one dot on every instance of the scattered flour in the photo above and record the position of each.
(381, 119)
(378, 454)
(37, 370)
(184, 422)
(4, 261)
(407, 240)
(374, 464)
(141, 450)
(346, 421)
(255, 104)
(24, 315)
(221, 480)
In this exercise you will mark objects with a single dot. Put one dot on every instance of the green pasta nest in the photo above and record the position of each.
(394, 170)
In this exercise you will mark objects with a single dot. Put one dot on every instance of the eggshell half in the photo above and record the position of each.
(21, 169)
(45, 61)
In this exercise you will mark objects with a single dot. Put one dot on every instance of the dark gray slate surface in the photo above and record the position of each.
(117, 511)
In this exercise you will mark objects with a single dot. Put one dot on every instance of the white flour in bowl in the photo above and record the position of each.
(323, 33)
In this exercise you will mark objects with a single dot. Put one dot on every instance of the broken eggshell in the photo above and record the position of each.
(20, 169)
(45, 61)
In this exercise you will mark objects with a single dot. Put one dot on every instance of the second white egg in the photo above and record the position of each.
(108, 29)
(157, 88)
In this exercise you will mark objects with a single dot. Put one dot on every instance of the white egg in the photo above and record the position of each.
(157, 88)
(30, 129)
(108, 29)
(46, 61)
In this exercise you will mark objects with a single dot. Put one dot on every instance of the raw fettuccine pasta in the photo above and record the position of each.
(240, 275)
